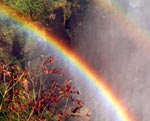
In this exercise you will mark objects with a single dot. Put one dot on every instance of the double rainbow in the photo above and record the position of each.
(74, 59)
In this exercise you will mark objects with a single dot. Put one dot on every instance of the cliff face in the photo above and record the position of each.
(14, 41)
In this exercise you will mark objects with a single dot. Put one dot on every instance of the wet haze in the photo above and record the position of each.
(120, 58)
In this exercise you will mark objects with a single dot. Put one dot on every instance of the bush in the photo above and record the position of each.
(25, 97)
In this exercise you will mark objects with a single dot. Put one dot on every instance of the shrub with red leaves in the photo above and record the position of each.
(41, 94)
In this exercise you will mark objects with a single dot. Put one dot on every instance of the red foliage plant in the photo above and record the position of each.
(38, 95)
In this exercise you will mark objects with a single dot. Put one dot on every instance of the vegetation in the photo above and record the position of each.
(12, 41)
(59, 16)
(42, 93)
(41, 9)
(24, 96)
(47, 12)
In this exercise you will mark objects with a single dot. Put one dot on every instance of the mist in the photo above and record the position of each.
(118, 52)
(118, 55)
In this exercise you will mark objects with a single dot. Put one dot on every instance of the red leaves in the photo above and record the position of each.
(78, 102)
(74, 110)
(55, 71)
(49, 61)
(54, 98)
(40, 119)
(25, 84)
(60, 117)
(57, 94)
(46, 72)
(58, 98)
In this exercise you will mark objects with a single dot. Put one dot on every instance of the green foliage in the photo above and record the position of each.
(54, 14)
(32, 8)
(40, 9)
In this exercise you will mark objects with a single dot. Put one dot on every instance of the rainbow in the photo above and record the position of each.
(138, 35)
(74, 58)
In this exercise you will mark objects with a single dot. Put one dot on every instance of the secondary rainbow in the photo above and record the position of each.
(138, 35)
(74, 58)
